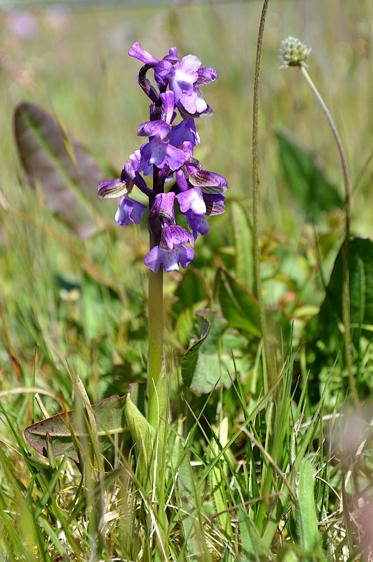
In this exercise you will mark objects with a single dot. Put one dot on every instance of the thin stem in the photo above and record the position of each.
(157, 405)
(255, 197)
(346, 244)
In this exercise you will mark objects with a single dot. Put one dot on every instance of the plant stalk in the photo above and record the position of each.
(157, 392)
(269, 359)
(346, 244)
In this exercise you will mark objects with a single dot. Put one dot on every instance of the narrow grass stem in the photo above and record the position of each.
(255, 199)
(346, 244)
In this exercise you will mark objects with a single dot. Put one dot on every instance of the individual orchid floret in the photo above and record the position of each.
(182, 76)
(123, 185)
(175, 248)
(129, 212)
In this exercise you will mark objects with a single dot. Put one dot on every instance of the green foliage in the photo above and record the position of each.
(306, 516)
(205, 366)
(60, 166)
(59, 434)
(238, 305)
(306, 181)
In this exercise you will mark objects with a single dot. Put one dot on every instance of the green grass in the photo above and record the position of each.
(250, 472)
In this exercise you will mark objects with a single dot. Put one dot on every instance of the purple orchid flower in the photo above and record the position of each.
(168, 156)
(175, 247)
(129, 211)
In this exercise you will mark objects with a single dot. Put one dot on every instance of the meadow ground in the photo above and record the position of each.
(262, 460)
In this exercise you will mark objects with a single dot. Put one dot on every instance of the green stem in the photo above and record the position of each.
(269, 360)
(346, 244)
(157, 384)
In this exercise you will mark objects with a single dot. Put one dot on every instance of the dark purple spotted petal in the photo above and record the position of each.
(174, 235)
(206, 75)
(129, 212)
(214, 204)
(210, 182)
(112, 188)
(163, 206)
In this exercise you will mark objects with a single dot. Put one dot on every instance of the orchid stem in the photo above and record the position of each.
(157, 391)
(346, 244)
(255, 201)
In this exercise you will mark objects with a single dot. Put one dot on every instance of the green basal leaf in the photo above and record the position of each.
(61, 431)
(204, 366)
(66, 173)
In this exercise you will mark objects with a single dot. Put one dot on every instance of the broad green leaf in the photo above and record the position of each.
(238, 306)
(204, 366)
(66, 173)
(56, 432)
(306, 181)
(306, 512)
(327, 325)
(142, 434)
(243, 244)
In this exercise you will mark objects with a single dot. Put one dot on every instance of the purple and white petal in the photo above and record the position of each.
(169, 259)
(192, 200)
(138, 52)
(186, 71)
(129, 212)
(158, 128)
(153, 153)
(193, 102)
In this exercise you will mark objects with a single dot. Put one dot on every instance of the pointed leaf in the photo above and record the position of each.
(306, 514)
(306, 181)
(327, 324)
(238, 306)
(142, 434)
(204, 366)
(56, 431)
(66, 173)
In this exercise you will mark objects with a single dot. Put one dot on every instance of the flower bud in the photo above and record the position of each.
(293, 52)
